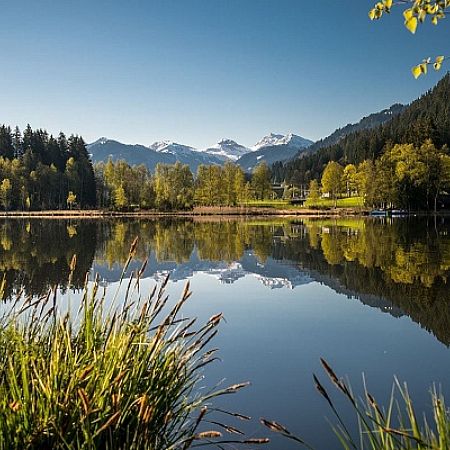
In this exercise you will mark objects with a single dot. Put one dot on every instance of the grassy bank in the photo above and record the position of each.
(349, 202)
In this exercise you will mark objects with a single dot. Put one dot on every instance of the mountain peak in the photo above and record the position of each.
(226, 141)
(102, 140)
(282, 139)
(160, 146)
(227, 149)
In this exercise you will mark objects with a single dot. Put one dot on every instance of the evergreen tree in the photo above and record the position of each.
(6, 143)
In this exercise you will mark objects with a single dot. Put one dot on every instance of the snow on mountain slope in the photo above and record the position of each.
(292, 140)
(227, 149)
(271, 148)
(171, 147)
(160, 152)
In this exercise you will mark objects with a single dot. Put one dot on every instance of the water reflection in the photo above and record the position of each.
(400, 267)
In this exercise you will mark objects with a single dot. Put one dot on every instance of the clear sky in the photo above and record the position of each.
(196, 71)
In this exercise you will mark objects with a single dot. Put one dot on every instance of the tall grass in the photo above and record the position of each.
(108, 377)
(397, 427)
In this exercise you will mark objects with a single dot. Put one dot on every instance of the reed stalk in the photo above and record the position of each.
(124, 376)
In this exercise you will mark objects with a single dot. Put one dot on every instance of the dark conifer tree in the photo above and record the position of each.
(6, 145)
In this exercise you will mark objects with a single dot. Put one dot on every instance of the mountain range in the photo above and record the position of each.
(271, 148)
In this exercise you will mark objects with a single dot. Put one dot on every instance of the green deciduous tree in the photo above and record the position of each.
(5, 193)
(349, 179)
(365, 181)
(314, 194)
(120, 198)
(209, 186)
(174, 187)
(261, 183)
(332, 180)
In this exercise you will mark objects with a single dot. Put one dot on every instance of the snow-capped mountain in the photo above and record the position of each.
(227, 149)
(272, 273)
(100, 141)
(166, 152)
(273, 148)
(292, 140)
(171, 147)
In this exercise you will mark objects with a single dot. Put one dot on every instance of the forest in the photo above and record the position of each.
(39, 171)
(404, 176)
(425, 118)
(174, 187)
(401, 163)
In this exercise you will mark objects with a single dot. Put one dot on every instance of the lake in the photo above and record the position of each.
(369, 295)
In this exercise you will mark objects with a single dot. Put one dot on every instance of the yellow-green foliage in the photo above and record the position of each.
(416, 13)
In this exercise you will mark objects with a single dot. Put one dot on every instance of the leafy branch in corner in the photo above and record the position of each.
(415, 14)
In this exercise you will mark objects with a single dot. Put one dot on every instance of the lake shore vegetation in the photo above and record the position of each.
(109, 376)
(398, 426)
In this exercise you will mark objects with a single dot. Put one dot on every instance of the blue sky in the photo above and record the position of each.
(196, 71)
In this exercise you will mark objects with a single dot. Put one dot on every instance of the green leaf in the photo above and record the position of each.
(411, 24)
(416, 71)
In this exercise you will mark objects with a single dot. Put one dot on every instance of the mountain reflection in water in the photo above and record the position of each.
(399, 266)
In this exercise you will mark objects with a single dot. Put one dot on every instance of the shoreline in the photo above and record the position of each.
(198, 212)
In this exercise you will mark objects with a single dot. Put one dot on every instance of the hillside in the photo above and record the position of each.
(366, 123)
(426, 117)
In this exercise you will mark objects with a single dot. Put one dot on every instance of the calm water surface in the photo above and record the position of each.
(370, 296)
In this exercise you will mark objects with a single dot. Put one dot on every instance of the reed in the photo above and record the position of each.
(108, 377)
(396, 427)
